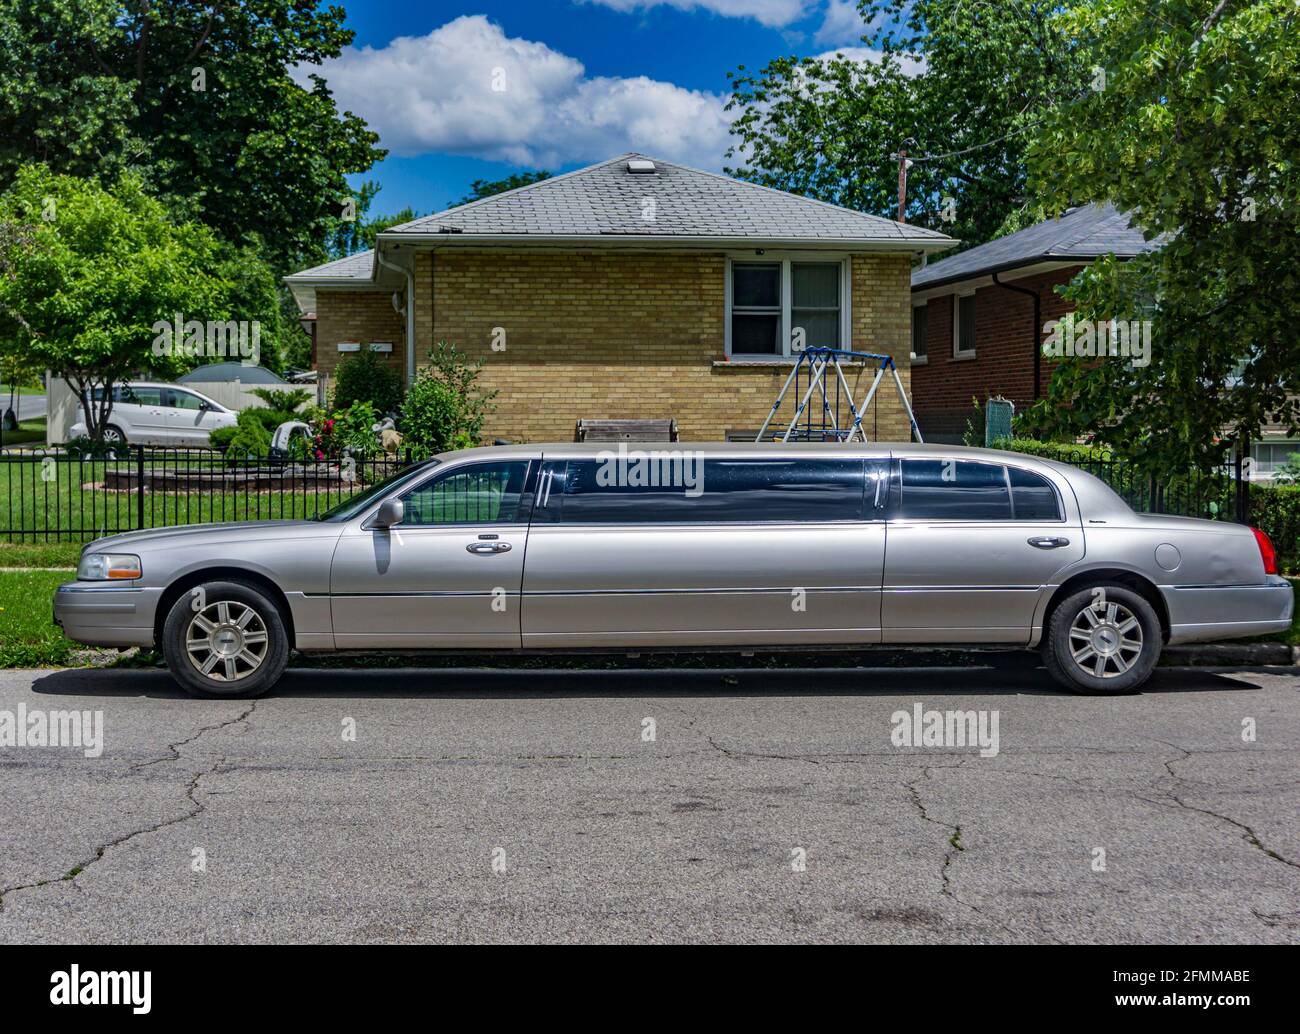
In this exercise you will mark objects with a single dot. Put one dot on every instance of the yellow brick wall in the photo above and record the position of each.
(616, 335)
(362, 316)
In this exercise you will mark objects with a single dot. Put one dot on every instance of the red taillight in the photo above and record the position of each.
(1266, 551)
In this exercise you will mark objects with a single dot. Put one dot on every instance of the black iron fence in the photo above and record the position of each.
(1223, 494)
(56, 496)
(51, 497)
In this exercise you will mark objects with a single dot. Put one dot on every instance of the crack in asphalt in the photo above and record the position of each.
(197, 808)
(1248, 834)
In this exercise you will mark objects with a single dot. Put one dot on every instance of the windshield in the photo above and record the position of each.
(353, 505)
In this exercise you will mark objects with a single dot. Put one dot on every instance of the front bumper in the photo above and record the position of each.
(106, 614)
(1201, 613)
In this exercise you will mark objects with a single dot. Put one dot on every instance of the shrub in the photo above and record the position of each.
(251, 440)
(221, 437)
(347, 430)
(365, 377)
(1275, 510)
(280, 406)
(443, 409)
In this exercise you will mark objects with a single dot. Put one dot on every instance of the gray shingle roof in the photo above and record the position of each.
(607, 200)
(351, 267)
(1081, 233)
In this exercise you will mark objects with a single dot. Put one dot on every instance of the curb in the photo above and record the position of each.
(1228, 654)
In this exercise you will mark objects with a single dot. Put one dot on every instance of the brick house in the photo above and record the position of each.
(977, 317)
(634, 288)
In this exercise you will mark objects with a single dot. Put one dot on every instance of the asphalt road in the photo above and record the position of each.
(601, 834)
(26, 407)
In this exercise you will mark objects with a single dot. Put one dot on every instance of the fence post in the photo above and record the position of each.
(139, 487)
(1243, 489)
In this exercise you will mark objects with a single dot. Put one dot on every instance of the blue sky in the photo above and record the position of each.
(464, 91)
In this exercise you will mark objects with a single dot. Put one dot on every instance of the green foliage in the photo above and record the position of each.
(348, 431)
(359, 234)
(1196, 134)
(1288, 473)
(93, 87)
(480, 189)
(1275, 510)
(443, 408)
(89, 272)
(221, 437)
(366, 377)
(288, 400)
(963, 80)
(251, 439)
(281, 405)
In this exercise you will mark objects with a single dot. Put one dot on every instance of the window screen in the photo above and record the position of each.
(756, 308)
(966, 323)
(953, 490)
(920, 321)
(816, 302)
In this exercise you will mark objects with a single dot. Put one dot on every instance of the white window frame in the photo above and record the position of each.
(919, 360)
(784, 259)
(957, 351)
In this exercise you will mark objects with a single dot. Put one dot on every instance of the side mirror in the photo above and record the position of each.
(390, 512)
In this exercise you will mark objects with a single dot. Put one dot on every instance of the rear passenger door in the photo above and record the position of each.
(762, 551)
(971, 546)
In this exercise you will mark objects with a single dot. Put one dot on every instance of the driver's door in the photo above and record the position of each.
(448, 576)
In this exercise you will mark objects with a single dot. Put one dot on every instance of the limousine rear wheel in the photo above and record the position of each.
(225, 639)
(1102, 639)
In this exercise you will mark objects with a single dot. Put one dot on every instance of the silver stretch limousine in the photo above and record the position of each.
(637, 547)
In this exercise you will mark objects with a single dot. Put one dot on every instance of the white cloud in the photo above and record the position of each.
(843, 23)
(910, 66)
(466, 88)
(772, 13)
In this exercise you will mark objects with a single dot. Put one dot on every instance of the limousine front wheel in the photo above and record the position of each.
(1102, 639)
(225, 639)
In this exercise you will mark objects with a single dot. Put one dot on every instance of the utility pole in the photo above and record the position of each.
(904, 163)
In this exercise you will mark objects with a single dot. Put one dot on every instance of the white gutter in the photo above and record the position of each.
(606, 240)
(408, 311)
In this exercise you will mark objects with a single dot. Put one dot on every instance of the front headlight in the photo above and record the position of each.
(102, 567)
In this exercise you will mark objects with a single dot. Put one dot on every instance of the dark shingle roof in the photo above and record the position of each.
(1083, 233)
(607, 200)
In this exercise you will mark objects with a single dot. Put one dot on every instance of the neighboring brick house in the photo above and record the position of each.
(977, 317)
(634, 288)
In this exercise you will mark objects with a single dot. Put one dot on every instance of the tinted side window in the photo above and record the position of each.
(1033, 496)
(487, 493)
(732, 491)
(955, 491)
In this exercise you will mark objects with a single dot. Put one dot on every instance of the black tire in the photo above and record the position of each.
(1083, 646)
(111, 430)
(222, 606)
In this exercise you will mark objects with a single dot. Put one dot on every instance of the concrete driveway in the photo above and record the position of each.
(510, 805)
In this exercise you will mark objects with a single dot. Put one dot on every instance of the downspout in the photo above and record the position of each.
(1038, 349)
(408, 310)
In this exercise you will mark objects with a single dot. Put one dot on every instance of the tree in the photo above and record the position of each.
(480, 189)
(958, 85)
(1195, 131)
(88, 273)
(359, 233)
(197, 97)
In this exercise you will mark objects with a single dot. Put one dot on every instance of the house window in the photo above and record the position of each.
(1270, 456)
(963, 326)
(920, 326)
(778, 307)
(756, 308)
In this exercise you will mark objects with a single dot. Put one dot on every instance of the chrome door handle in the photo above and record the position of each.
(1048, 542)
(484, 548)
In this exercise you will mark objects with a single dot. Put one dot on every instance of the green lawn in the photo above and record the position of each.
(28, 636)
(29, 432)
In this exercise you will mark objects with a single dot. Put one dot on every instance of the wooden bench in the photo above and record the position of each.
(626, 431)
